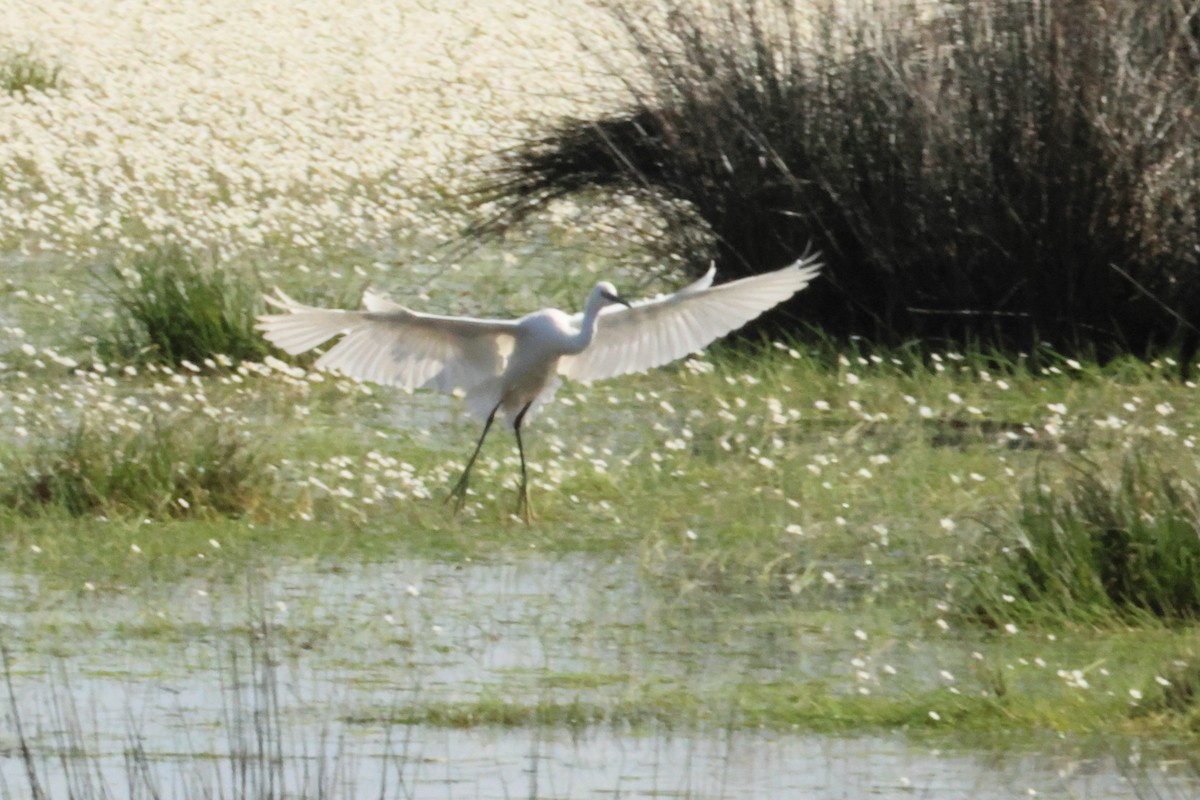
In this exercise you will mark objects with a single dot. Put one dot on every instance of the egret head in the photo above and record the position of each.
(605, 293)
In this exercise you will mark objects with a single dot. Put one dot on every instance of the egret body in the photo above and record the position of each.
(514, 366)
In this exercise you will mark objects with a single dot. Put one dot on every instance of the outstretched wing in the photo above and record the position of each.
(655, 332)
(390, 344)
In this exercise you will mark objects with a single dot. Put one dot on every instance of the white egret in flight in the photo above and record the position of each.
(515, 365)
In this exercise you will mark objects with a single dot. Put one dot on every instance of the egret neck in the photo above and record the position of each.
(601, 295)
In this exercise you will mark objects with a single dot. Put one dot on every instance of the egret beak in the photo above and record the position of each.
(612, 298)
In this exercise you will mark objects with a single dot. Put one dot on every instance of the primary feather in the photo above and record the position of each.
(655, 332)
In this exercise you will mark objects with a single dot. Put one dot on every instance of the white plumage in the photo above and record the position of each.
(515, 365)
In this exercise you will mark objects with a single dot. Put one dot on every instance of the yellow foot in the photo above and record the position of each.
(523, 506)
(458, 494)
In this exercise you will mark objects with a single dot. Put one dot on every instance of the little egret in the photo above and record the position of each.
(515, 365)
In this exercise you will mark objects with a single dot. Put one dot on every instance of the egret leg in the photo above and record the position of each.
(459, 492)
(523, 506)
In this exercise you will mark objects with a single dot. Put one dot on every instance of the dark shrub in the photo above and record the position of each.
(1011, 170)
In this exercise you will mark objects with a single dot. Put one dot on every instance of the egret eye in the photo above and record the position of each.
(612, 298)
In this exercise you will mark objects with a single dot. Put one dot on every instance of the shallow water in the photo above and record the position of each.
(445, 629)
(486, 763)
(167, 688)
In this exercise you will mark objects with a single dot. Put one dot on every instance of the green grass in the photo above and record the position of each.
(174, 466)
(573, 714)
(777, 705)
(1171, 700)
(1119, 543)
(781, 463)
(175, 306)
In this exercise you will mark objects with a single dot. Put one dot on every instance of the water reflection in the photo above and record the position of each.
(285, 685)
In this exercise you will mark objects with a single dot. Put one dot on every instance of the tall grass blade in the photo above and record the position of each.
(172, 306)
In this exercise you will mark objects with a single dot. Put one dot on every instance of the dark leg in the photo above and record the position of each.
(523, 492)
(459, 492)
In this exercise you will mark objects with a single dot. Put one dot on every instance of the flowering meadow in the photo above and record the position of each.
(280, 124)
(823, 537)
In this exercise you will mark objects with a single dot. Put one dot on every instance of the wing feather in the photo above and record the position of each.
(655, 332)
(387, 343)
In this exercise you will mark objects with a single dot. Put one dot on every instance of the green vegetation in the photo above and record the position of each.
(979, 706)
(175, 306)
(22, 72)
(749, 706)
(1172, 698)
(1099, 548)
(575, 714)
(180, 465)
(1009, 171)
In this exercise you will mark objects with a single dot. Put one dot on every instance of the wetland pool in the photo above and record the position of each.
(302, 679)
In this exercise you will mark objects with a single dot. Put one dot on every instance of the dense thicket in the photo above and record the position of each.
(1012, 171)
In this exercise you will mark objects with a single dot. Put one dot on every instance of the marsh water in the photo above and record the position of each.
(301, 680)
